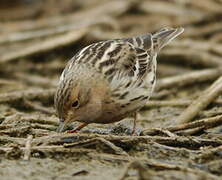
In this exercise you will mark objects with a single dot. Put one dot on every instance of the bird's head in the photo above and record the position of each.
(77, 99)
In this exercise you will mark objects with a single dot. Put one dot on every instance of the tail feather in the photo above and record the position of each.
(155, 41)
(143, 41)
(164, 36)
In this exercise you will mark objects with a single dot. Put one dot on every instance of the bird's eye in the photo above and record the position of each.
(75, 104)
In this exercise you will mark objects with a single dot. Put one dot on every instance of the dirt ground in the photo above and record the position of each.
(180, 128)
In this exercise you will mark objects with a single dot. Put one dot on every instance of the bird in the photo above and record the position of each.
(110, 80)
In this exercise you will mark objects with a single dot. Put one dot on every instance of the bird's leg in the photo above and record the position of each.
(135, 117)
(78, 128)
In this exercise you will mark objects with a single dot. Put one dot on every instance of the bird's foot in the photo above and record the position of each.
(72, 131)
(75, 130)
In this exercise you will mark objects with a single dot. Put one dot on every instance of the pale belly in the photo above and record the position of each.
(114, 112)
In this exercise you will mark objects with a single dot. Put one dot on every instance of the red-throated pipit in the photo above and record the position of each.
(106, 81)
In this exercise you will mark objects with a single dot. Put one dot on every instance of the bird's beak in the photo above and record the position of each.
(61, 127)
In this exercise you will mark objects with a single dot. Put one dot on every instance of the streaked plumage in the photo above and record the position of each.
(110, 79)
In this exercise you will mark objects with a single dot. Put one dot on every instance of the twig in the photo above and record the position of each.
(205, 30)
(30, 94)
(189, 142)
(158, 131)
(52, 31)
(200, 103)
(112, 8)
(3, 127)
(27, 150)
(17, 131)
(162, 93)
(81, 143)
(176, 103)
(14, 140)
(152, 103)
(171, 9)
(45, 46)
(40, 132)
(215, 111)
(44, 126)
(191, 57)
(189, 78)
(7, 82)
(33, 118)
(80, 172)
(207, 6)
(198, 45)
(60, 149)
(36, 80)
(110, 157)
(165, 70)
(37, 107)
(112, 146)
(205, 123)
(49, 149)
(190, 132)
(186, 129)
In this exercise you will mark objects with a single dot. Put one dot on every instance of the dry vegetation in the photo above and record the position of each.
(180, 127)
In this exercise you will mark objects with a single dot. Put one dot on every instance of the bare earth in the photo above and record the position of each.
(180, 128)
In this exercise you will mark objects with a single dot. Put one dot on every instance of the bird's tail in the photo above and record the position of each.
(163, 37)
(143, 41)
(155, 41)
